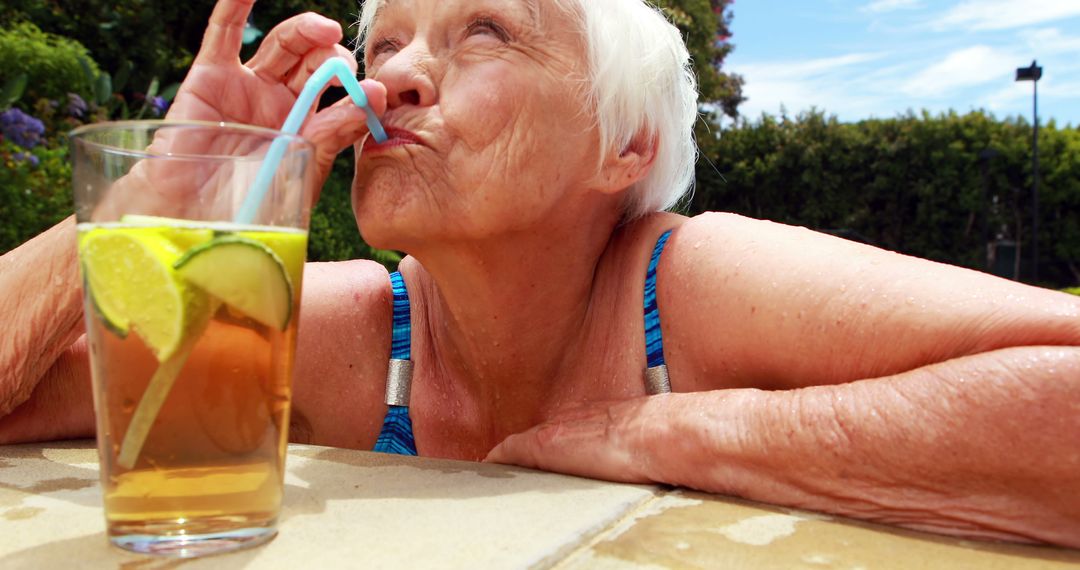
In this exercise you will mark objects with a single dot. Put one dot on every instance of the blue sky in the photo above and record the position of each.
(878, 58)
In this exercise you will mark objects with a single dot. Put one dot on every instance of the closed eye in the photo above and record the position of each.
(384, 45)
(487, 25)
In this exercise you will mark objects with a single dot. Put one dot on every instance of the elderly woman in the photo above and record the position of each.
(534, 145)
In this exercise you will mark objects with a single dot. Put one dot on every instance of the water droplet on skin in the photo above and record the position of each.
(697, 244)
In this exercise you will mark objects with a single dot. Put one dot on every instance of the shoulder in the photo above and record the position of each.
(731, 289)
(743, 252)
(343, 346)
(343, 303)
(335, 278)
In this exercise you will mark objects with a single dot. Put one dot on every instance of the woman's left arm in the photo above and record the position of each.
(982, 446)
(898, 390)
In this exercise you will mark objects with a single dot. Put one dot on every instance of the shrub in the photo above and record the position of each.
(35, 191)
(50, 63)
(147, 37)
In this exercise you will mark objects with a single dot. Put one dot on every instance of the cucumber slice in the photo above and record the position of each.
(243, 273)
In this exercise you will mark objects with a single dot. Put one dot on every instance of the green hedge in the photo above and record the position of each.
(935, 186)
(50, 63)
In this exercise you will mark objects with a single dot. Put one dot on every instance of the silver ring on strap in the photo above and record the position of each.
(656, 380)
(398, 382)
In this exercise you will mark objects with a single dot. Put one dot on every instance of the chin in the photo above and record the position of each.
(384, 225)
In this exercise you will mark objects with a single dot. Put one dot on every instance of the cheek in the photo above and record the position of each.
(478, 107)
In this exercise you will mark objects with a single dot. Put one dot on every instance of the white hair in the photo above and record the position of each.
(641, 88)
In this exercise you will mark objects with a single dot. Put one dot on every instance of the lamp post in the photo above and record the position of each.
(1033, 74)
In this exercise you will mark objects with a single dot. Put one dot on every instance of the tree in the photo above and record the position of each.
(706, 28)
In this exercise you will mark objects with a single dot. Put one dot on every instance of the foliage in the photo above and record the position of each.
(51, 65)
(136, 40)
(706, 28)
(1072, 290)
(35, 191)
(940, 187)
(268, 14)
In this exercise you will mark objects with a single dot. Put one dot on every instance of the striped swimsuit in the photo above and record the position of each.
(397, 435)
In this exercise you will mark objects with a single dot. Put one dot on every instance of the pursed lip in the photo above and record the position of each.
(395, 137)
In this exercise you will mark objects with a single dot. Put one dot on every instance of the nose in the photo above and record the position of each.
(408, 78)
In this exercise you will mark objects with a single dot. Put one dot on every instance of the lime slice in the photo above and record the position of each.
(114, 323)
(184, 233)
(133, 285)
(243, 273)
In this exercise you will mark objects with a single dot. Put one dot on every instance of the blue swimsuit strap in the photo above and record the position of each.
(656, 373)
(397, 434)
(401, 345)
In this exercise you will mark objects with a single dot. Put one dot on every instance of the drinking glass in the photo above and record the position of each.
(191, 316)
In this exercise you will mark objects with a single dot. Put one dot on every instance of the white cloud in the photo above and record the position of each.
(882, 6)
(910, 65)
(1008, 99)
(806, 68)
(825, 83)
(1005, 14)
(1049, 41)
(962, 68)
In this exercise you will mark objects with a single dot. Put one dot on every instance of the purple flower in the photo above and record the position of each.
(27, 157)
(76, 106)
(22, 129)
(159, 105)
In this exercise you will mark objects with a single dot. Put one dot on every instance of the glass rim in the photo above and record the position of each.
(80, 134)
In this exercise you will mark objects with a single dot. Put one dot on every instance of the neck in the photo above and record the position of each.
(502, 316)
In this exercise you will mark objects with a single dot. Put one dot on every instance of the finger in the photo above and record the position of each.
(225, 33)
(331, 131)
(594, 440)
(575, 448)
(291, 41)
(343, 123)
(335, 128)
(300, 74)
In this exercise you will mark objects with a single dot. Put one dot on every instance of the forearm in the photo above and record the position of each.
(41, 300)
(61, 406)
(983, 446)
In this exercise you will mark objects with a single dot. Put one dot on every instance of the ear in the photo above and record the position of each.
(622, 169)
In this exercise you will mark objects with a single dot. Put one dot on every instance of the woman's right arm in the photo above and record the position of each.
(44, 373)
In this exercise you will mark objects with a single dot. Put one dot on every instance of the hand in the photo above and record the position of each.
(261, 92)
(601, 440)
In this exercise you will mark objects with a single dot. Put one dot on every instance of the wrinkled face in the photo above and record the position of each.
(489, 131)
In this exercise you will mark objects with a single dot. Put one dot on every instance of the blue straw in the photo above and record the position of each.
(333, 67)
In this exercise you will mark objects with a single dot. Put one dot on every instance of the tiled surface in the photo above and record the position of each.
(342, 509)
(692, 530)
(349, 509)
